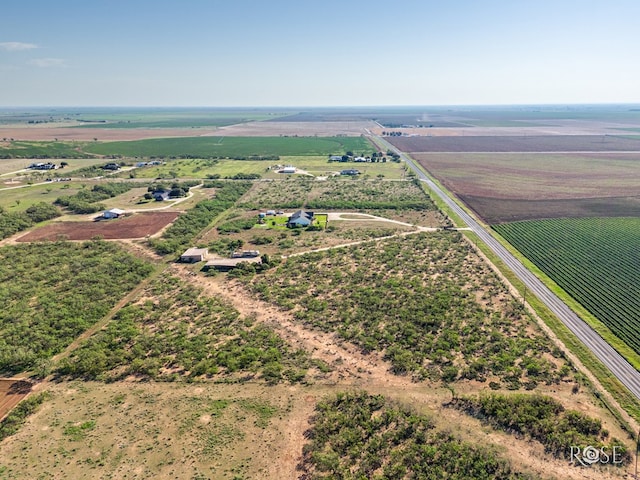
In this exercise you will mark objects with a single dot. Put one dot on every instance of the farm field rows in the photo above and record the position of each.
(505, 187)
(546, 143)
(595, 260)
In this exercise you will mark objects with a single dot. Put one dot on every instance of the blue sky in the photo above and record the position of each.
(325, 53)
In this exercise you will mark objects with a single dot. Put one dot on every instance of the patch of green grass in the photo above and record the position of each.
(77, 432)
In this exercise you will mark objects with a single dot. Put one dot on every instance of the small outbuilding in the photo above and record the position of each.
(289, 169)
(350, 171)
(194, 255)
(300, 219)
(113, 213)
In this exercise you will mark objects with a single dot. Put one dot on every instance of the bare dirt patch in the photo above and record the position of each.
(136, 226)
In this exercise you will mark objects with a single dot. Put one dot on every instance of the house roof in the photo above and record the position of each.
(195, 252)
(301, 214)
(115, 211)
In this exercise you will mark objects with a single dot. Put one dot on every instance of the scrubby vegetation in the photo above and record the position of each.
(187, 226)
(86, 201)
(14, 222)
(338, 194)
(432, 307)
(12, 422)
(541, 418)
(174, 331)
(52, 292)
(358, 436)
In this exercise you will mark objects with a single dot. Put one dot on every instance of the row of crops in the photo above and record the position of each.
(595, 260)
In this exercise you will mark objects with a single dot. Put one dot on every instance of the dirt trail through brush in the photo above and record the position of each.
(351, 367)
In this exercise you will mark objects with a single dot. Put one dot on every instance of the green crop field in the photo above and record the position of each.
(23, 149)
(208, 147)
(595, 260)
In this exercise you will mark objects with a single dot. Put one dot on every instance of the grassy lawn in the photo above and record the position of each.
(19, 199)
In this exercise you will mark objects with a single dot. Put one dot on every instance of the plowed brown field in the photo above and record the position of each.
(11, 392)
(136, 226)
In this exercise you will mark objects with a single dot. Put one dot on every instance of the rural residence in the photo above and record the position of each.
(161, 195)
(300, 219)
(350, 171)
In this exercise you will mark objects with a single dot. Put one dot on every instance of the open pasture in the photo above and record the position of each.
(138, 225)
(545, 143)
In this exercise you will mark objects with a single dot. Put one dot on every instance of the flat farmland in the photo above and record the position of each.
(545, 143)
(222, 147)
(595, 260)
(136, 226)
(502, 187)
(11, 392)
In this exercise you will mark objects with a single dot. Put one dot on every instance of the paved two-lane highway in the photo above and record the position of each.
(619, 367)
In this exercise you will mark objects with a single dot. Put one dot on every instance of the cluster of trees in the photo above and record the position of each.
(14, 222)
(237, 176)
(179, 235)
(415, 300)
(87, 201)
(541, 418)
(236, 225)
(357, 435)
(182, 333)
(51, 292)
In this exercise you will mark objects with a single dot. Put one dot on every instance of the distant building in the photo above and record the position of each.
(300, 219)
(289, 169)
(350, 171)
(161, 195)
(113, 213)
(43, 166)
(335, 158)
(111, 166)
(194, 255)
